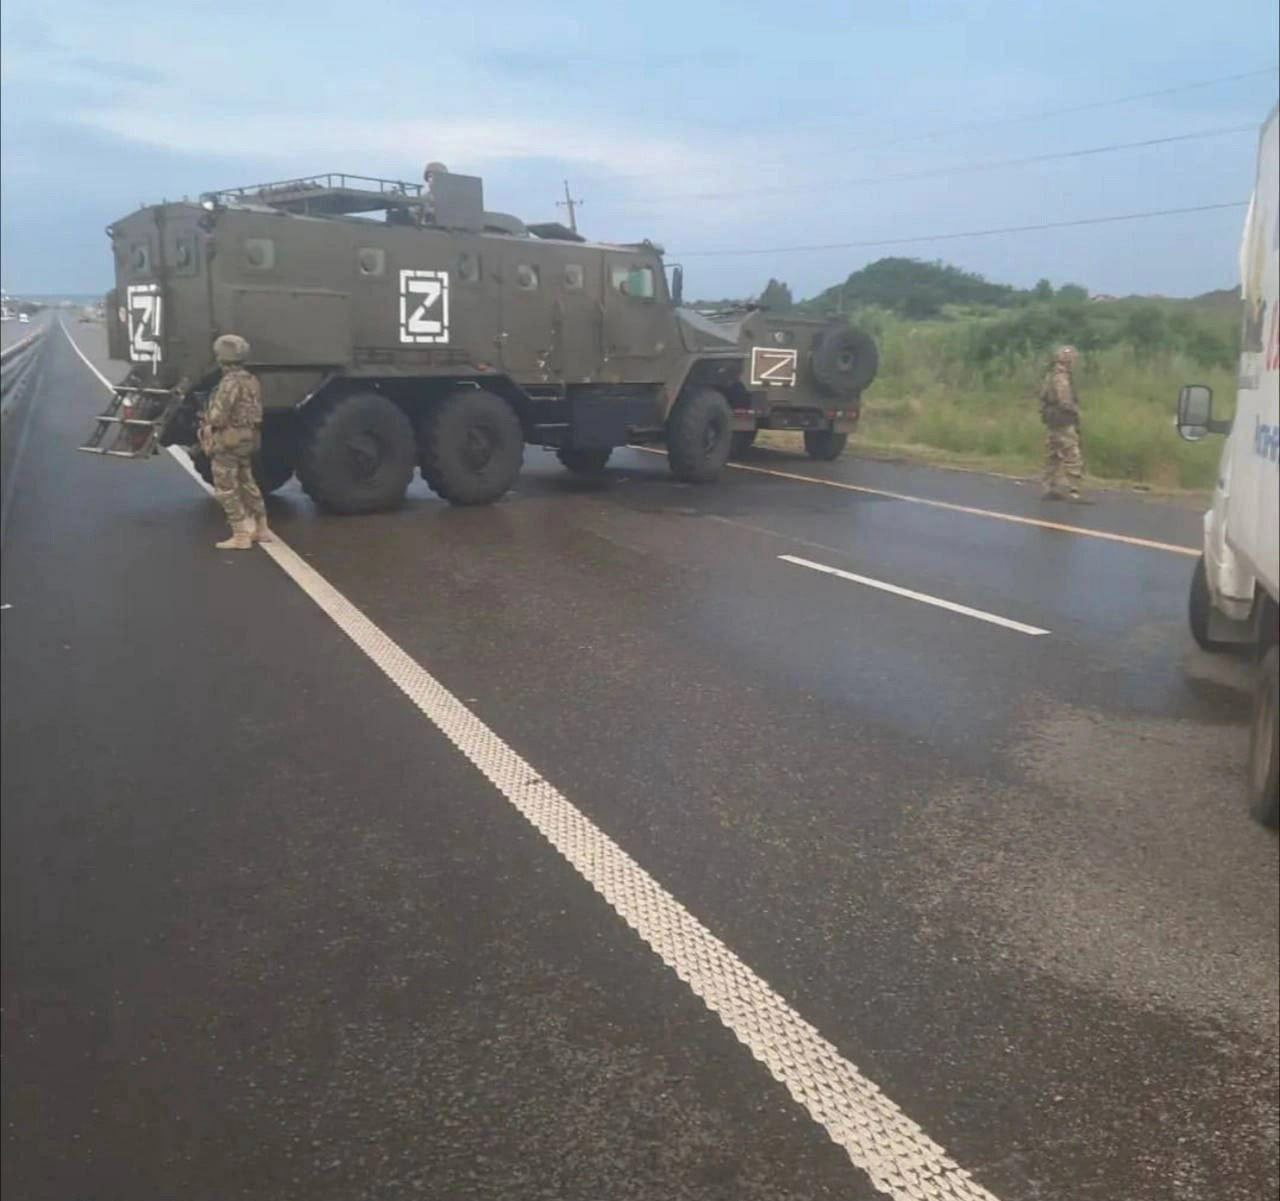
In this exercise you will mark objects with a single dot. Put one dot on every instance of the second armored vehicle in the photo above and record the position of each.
(444, 337)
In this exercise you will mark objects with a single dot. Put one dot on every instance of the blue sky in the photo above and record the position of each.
(701, 125)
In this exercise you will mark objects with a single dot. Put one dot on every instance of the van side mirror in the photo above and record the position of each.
(677, 284)
(1195, 413)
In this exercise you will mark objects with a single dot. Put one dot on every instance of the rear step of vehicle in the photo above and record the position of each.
(135, 419)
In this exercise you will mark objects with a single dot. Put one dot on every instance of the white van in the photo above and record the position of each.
(1236, 586)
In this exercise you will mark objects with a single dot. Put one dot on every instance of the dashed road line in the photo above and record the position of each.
(923, 597)
(994, 514)
(878, 1137)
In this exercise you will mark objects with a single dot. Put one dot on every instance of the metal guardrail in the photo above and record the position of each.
(21, 345)
(16, 361)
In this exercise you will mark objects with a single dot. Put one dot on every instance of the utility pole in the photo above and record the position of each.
(572, 205)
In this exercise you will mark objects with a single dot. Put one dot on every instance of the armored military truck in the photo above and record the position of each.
(396, 326)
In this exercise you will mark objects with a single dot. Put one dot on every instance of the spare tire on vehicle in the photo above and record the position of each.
(844, 360)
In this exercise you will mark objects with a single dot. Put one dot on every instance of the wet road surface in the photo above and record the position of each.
(268, 934)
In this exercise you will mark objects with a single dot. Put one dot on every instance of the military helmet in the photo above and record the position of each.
(230, 348)
(434, 168)
(1065, 355)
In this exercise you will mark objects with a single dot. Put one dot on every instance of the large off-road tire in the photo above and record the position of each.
(1199, 606)
(742, 441)
(274, 464)
(824, 445)
(844, 361)
(272, 471)
(1264, 774)
(471, 445)
(699, 435)
(582, 460)
(357, 454)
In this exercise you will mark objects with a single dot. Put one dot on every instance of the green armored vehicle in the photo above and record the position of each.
(396, 326)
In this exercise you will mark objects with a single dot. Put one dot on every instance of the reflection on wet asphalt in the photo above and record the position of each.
(268, 935)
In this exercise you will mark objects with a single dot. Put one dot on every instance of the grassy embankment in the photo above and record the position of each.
(962, 388)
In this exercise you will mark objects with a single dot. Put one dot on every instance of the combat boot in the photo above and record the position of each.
(262, 531)
(241, 538)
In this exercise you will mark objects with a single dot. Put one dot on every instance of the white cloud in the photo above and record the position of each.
(312, 142)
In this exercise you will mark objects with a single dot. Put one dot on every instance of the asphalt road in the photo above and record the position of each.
(267, 934)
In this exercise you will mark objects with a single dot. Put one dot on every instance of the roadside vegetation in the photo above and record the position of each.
(961, 361)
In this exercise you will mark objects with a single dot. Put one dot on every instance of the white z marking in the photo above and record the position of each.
(143, 313)
(776, 368)
(424, 306)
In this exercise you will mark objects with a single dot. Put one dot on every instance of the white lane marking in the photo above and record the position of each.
(923, 597)
(84, 358)
(994, 514)
(878, 1137)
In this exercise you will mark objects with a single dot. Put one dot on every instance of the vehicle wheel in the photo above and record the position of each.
(741, 442)
(844, 361)
(1199, 605)
(271, 472)
(1264, 775)
(471, 446)
(272, 468)
(699, 434)
(582, 460)
(204, 468)
(357, 455)
(824, 445)
(274, 464)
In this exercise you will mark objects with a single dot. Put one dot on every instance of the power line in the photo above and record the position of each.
(957, 169)
(972, 233)
(1035, 116)
(1082, 108)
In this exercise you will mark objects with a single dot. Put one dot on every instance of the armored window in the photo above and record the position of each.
(140, 257)
(573, 276)
(469, 267)
(184, 256)
(634, 281)
(526, 278)
(260, 253)
(372, 260)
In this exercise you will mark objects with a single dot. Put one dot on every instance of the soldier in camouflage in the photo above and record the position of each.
(1060, 412)
(230, 433)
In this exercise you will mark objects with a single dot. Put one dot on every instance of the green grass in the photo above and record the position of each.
(967, 387)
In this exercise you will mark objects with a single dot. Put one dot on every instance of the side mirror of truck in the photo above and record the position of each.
(1195, 413)
(677, 284)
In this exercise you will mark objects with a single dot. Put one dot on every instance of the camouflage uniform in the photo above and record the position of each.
(1060, 412)
(230, 434)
